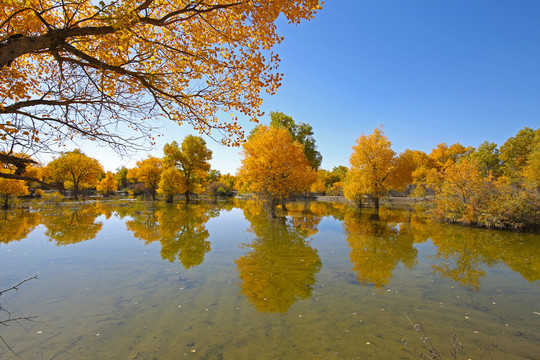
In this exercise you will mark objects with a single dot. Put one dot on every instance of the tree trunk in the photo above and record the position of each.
(376, 199)
(283, 206)
(187, 197)
(169, 198)
(273, 205)
(6, 205)
(76, 191)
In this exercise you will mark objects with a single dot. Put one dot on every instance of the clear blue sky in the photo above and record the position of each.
(431, 71)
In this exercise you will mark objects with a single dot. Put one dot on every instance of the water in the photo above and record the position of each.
(224, 281)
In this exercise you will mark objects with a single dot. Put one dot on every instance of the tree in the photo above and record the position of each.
(75, 170)
(274, 166)
(172, 183)
(301, 132)
(92, 70)
(514, 153)
(11, 187)
(121, 177)
(373, 168)
(486, 156)
(192, 161)
(148, 171)
(107, 185)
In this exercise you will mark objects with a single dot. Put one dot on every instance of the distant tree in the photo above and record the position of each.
(107, 185)
(531, 171)
(337, 174)
(274, 166)
(148, 171)
(373, 168)
(301, 132)
(75, 170)
(191, 158)
(172, 183)
(487, 158)
(444, 155)
(121, 177)
(319, 186)
(11, 187)
(515, 151)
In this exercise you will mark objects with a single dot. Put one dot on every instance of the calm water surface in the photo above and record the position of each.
(224, 281)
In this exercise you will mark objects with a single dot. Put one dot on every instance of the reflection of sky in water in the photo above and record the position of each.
(115, 297)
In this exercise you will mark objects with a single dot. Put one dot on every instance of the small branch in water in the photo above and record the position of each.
(16, 287)
(9, 320)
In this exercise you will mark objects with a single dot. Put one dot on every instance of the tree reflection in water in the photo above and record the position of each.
(16, 225)
(378, 243)
(464, 252)
(280, 266)
(71, 225)
(180, 229)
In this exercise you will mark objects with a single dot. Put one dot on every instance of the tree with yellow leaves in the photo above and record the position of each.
(75, 170)
(107, 185)
(274, 166)
(374, 168)
(91, 69)
(11, 187)
(172, 183)
(148, 171)
(191, 158)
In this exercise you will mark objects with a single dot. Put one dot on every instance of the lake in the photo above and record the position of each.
(136, 280)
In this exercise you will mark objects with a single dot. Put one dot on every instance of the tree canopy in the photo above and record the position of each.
(274, 166)
(75, 170)
(301, 132)
(96, 69)
(374, 169)
(191, 158)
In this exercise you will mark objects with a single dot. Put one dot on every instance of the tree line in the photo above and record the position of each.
(488, 186)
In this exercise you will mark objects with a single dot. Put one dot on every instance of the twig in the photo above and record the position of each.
(16, 287)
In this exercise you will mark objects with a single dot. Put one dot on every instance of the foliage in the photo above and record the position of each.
(192, 161)
(93, 70)
(301, 132)
(172, 183)
(274, 166)
(487, 158)
(75, 170)
(374, 168)
(107, 185)
(121, 177)
(148, 172)
(11, 187)
(465, 196)
(515, 151)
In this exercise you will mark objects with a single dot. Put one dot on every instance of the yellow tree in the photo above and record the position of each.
(373, 168)
(11, 187)
(90, 69)
(75, 170)
(172, 183)
(148, 171)
(107, 185)
(191, 158)
(274, 166)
